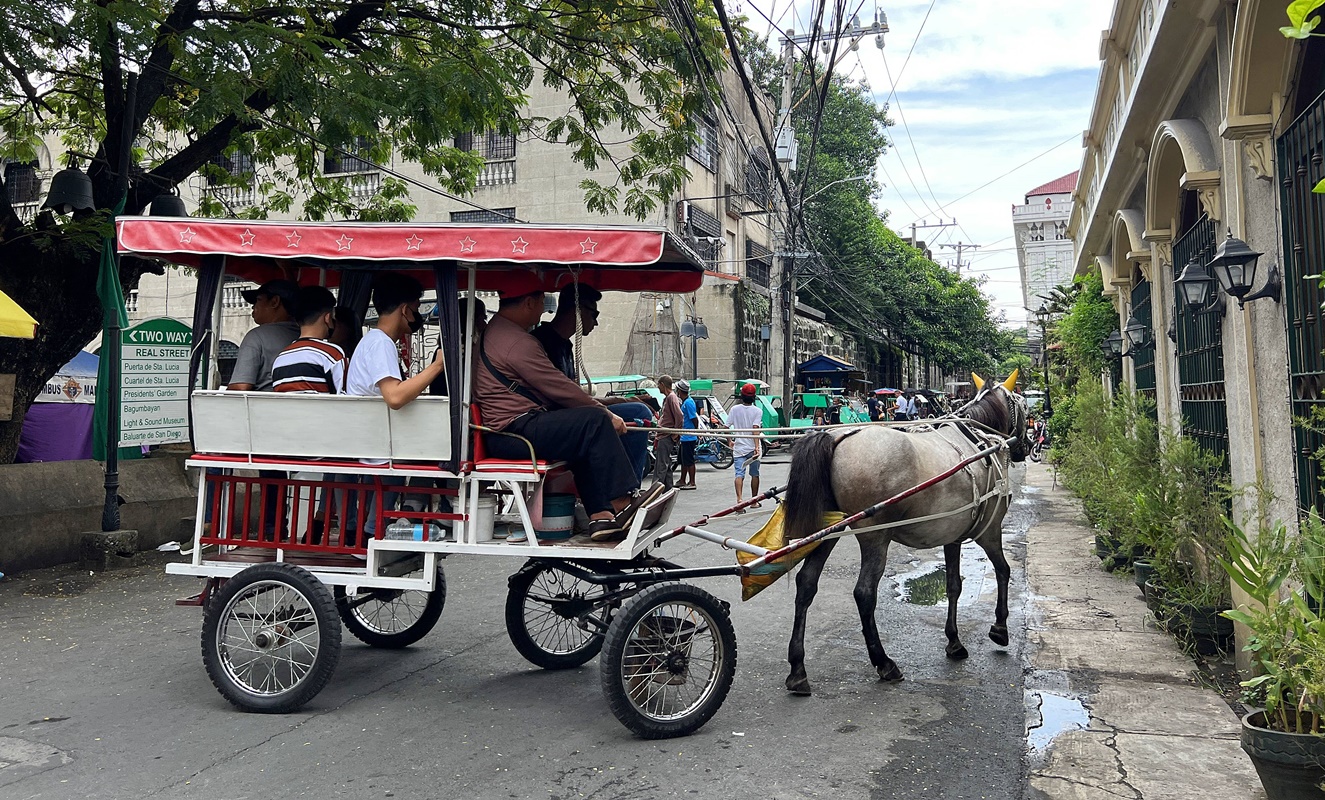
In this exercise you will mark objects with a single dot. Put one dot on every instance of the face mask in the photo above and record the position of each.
(416, 324)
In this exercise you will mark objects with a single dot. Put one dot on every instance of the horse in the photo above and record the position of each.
(854, 471)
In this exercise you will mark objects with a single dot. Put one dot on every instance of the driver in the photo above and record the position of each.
(522, 393)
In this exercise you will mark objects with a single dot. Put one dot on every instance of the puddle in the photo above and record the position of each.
(925, 590)
(1057, 713)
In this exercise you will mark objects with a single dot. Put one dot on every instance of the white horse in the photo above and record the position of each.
(853, 471)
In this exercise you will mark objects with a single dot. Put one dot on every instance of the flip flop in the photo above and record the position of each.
(606, 530)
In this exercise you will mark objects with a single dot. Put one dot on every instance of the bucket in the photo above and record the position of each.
(558, 517)
(485, 519)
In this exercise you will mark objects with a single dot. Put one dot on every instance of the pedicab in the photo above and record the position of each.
(288, 481)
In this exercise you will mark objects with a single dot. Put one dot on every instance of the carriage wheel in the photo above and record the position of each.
(543, 611)
(392, 618)
(271, 638)
(668, 660)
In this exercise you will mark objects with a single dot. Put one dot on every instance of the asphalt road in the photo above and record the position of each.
(103, 695)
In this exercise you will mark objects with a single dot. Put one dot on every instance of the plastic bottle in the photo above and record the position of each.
(413, 531)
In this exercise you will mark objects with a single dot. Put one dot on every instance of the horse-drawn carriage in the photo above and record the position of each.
(278, 475)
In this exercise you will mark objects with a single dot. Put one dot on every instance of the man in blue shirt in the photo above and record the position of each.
(689, 421)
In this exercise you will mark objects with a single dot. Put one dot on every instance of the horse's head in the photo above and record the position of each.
(1000, 408)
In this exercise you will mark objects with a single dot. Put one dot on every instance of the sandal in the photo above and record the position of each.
(606, 530)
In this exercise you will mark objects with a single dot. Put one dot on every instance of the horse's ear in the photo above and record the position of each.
(1011, 383)
(979, 382)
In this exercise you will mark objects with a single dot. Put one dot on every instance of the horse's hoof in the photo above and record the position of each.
(998, 634)
(798, 686)
(889, 673)
(956, 651)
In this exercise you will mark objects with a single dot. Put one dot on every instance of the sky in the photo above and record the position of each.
(987, 87)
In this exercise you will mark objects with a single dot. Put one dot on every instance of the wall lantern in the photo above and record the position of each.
(1136, 332)
(1234, 265)
(1112, 346)
(1195, 284)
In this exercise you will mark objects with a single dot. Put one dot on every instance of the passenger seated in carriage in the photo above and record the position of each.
(522, 393)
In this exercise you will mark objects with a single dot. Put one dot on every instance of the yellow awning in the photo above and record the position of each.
(15, 323)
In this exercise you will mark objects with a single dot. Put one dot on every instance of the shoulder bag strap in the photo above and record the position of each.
(511, 386)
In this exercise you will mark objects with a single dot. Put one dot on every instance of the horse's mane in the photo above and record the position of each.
(990, 410)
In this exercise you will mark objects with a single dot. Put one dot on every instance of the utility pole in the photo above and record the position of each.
(915, 242)
(960, 247)
(783, 300)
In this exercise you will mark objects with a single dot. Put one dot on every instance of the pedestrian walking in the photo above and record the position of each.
(665, 445)
(747, 450)
(689, 421)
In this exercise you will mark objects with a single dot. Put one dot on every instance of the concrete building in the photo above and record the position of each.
(1206, 122)
(1044, 250)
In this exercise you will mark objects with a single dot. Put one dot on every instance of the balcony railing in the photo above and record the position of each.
(27, 212)
(234, 197)
(361, 185)
(496, 173)
(232, 294)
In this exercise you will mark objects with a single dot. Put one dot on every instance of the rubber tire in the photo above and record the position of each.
(520, 583)
(724, 457)
(616, 644)
(328, 647)
(432, 611)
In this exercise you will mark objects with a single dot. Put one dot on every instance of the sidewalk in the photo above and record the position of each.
(1116, 709)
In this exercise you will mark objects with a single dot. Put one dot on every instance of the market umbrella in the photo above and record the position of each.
(885, 391)
(15, 323)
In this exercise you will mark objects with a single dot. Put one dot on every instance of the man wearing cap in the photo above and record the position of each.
(689, 441)
(520, 392)
(556, 337)
(747, 450)
(273, 311)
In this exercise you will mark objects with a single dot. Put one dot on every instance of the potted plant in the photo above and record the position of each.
(1285, 738)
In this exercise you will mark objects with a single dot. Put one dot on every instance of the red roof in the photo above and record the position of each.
(1063, 185)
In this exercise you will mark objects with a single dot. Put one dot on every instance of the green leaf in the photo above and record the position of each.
(1319, 188)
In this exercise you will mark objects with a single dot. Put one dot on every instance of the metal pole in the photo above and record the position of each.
(110, 337)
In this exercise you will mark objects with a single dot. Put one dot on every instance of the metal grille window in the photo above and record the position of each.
(237, 165)
(704, 233)
(1143, 359)
(335, 162)
(22, 183)
(758, 263)
(492, 146)
(1200, 351)
(484, 216)
(1299, 163)
(705, 150)
(758, 173)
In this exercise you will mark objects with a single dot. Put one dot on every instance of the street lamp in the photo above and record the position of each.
(1196, 285)
(831, 184)
(694, 329)
(1112, 346)
(1234, 265)
(1042, 315)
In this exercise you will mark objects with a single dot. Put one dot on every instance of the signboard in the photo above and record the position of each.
(154, 382)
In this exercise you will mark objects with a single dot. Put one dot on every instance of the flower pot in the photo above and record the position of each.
(1143, 571)
(1209, 632)
(1291, 765)
(1105, 546)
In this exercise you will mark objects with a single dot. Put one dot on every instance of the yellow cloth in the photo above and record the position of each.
(15, 323)
(771, 537)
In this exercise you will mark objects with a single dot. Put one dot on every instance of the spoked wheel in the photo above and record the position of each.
(271, 638)
(724, 457)
(668, 660)
(392, 618)
(543, 611)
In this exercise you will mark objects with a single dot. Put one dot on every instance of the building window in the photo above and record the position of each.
(484, 216)
(22, 183)
(1060, 231)
(131, 302)
(704, 233)
(758, 172)
(705, 150)
(335, 162)
(498, 152)
(236, 165)
(758, 263)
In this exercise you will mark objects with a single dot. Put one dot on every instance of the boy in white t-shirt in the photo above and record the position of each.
(745, 415)
(375, 367)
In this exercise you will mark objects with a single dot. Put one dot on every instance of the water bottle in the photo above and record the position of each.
(413, 531)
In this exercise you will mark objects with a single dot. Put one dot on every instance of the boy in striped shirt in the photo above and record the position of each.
(311, 364)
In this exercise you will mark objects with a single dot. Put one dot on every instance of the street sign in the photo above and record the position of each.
(154, 382)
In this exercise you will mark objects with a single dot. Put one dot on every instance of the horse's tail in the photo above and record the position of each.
(810, 486)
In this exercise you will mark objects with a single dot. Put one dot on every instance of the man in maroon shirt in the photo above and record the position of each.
(522, 393)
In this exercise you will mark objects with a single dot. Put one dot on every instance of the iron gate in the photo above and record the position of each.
(1201, 350)
(1299, 153)
(1143, 358)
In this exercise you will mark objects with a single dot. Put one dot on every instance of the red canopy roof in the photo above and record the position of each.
(609, 258)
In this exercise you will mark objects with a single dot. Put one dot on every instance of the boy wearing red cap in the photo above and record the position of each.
(747, 449)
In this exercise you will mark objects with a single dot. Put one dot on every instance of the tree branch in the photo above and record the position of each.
(156, 72)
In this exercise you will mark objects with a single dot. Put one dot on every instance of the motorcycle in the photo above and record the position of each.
(1039, 443)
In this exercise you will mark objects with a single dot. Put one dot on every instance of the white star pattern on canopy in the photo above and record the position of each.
(246, 238)
(519, 245)
(343, 243)
(292, 239)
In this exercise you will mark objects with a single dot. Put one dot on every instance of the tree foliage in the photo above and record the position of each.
(281, 86)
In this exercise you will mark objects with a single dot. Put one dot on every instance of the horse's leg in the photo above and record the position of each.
(952, 561)
(992, 543)
(807, 585)
(873, 560)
